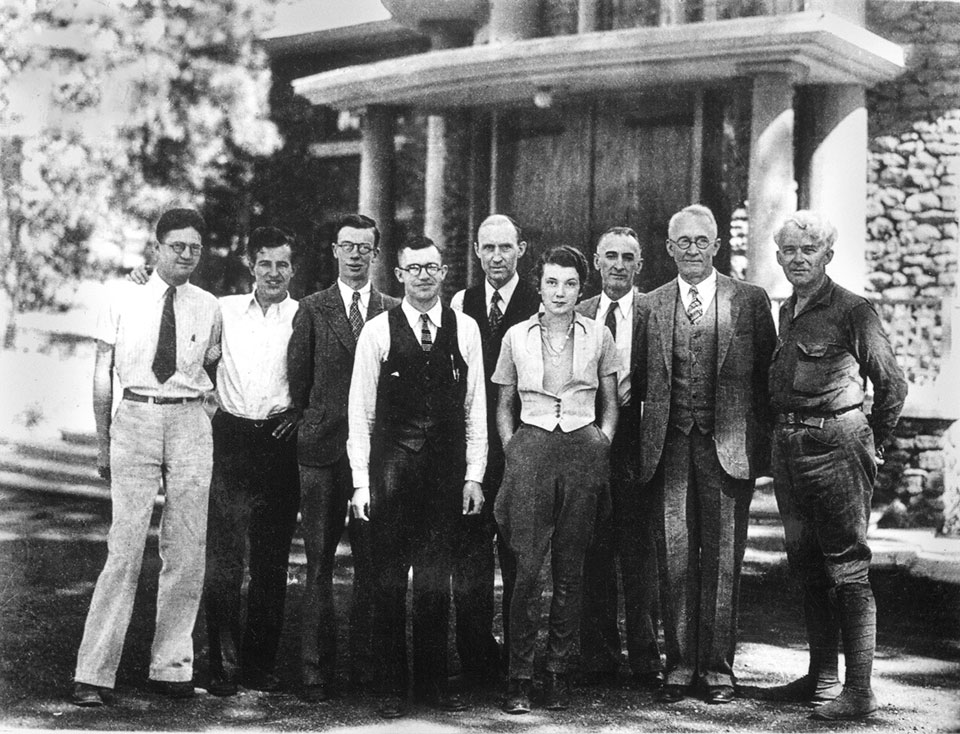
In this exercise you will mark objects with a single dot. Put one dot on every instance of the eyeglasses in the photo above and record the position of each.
(684, 243)
(415, 268)
(362, 247)
(179, 247)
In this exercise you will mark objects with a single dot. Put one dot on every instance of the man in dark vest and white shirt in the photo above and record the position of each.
(703, 351)
(418, 447)
(502, 300)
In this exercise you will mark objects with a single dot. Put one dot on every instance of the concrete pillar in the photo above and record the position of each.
(587, 12)
(772, 190)
(434, 174)
(376, 189)
(837, 176)
(514, 20)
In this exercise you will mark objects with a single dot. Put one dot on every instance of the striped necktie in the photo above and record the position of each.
(426, 341)
(695, 309)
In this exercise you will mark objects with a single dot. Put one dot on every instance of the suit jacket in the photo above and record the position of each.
(745, 343)
(319, 367)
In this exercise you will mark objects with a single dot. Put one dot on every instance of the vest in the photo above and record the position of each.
(693, 389)
(420, 394)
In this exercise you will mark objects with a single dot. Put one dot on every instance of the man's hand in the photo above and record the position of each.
(360, 503)
(472, 498)
(289, 421)
(103, 460)
(139, 275)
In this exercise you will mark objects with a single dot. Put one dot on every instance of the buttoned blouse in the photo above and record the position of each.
(521, 364)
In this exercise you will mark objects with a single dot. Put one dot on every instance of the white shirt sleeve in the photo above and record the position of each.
(456, 303)
(372, 349)
(475, 402)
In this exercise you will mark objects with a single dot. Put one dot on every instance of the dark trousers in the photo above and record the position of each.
(474, 572)
(253, 499)
(325, 493)
(547, 505)
(823, 479)
(415, 503)
(701, 540)
(627, 536)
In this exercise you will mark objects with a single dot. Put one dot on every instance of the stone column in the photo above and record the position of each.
(772, 189)
(514, 20)
(837, 177)
(376, 188)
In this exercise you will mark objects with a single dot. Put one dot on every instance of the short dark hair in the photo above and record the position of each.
(173, 219)
(358, 221)
(418, 242)
(566, 257)
(266, 237)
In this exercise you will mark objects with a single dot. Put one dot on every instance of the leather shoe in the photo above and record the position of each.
(671, 693)
(172, 688)
(556, 692)
(266, 682)
(720, 694)
(86, 695)
(315, 693)
(222, 687)
(652, 680)
(392, 707)
(851, 704)
(518, 696)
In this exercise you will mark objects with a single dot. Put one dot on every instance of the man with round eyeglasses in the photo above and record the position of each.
(156, 340)
(418, 449)
(319, 367)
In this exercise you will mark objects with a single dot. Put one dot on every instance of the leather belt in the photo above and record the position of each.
(138, 398)
(812, 419)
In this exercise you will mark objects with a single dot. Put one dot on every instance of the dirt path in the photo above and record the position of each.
(52, 549)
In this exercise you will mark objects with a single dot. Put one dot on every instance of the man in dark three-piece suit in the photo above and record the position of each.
(320, 364)
(627, 533)
(704, 344)
(500, 301)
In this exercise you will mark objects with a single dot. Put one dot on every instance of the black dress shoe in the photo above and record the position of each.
(86, 695)
(392, 707)
(315, 693)
(720, 694)
(652, 680)
(266, 682)
(171, 688)
(556, 692)
(671, 693)
(222, 687)
(518, 696)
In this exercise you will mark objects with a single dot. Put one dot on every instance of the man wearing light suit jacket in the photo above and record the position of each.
(704, 344)
(627, 534)
(319, 366)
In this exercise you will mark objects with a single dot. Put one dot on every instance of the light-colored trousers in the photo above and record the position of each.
(149, 444)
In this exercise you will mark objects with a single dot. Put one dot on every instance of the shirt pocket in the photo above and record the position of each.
(821, 367)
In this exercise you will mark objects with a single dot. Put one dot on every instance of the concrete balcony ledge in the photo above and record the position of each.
(812, 47)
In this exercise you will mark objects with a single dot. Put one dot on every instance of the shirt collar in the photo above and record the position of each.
(346, 292)
(625, 303)
(821, 297)
(413, 315)
(158, 285)
(578, 319)
(706, 288)
(506, 291)
(252, 302)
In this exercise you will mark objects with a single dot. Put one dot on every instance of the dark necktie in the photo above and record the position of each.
(356, 320)
(695, 310)
(426, 341)
(496, 315)
(611, 320)
(165, 360)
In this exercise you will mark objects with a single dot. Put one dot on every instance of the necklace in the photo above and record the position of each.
(555, 352)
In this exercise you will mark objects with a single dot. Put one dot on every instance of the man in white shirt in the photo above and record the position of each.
(417, 447)
(255, 491)
(156, 340)
(627, 534)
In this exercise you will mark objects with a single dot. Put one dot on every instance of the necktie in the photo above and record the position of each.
(426, 341)
(356, 320)
(495, 313)
(695, 309)
(165, 360)
(611, 320)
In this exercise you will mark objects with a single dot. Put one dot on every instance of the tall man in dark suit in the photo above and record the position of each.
(627, 533)
(319, 366)
(501, 301)
(703, 350)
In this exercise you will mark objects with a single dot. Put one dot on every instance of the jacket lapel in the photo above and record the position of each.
(337, 318)
(375, 306)
(728, 308)
(664, 314)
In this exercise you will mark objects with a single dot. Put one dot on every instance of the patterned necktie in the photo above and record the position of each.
(695, 309)
(356, 320)
(611, 320)
(165, 360)
(495, 313)
(426, 341)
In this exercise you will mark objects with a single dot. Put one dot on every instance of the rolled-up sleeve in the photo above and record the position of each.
(475, 402)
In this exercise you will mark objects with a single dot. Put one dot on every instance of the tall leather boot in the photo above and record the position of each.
(821, 683)
(858, 628)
